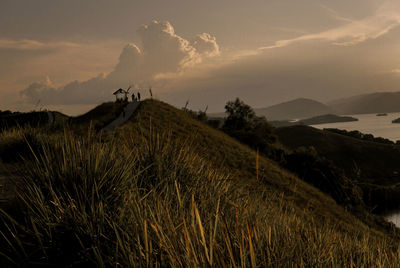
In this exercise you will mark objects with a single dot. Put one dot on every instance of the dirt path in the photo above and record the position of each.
(51, 117)
(123, 117)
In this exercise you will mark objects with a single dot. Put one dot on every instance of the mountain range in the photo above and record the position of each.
(296, 109)
(380, 102)
(302, 108)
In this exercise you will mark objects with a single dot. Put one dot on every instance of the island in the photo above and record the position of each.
(327, 118)
(381, 114)
(316, 120)
(396, 121)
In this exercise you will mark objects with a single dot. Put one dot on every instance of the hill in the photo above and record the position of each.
(98, 117)
(373, 165)
(220, 149)
(372, 162)
(382, 102)
(167, 190)
(295, 109)
(34, 119)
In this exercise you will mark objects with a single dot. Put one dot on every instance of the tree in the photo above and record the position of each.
(243, 124)
(240, 115)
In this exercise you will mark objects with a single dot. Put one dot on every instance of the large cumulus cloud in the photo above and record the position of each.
(159, 51)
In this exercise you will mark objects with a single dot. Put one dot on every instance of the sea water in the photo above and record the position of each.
(379, 126)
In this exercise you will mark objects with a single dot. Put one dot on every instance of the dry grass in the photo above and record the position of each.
(158, 203)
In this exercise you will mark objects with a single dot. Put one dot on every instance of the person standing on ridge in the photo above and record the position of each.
(138, 96)
(133, 97)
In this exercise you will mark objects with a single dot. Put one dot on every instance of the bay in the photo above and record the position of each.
(379, 126)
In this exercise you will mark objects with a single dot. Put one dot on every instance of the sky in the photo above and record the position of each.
(71, 55)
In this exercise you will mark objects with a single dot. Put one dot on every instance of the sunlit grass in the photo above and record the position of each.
(151, 200)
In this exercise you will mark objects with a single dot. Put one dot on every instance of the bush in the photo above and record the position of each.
(17, 144)
(358, 135)
(243, 124)
(321, 173)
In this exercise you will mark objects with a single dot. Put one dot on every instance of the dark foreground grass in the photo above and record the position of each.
(157, 202)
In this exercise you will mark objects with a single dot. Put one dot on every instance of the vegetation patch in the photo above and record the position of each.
(168, 190)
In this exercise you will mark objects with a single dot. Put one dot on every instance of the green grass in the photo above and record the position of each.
(166, 190)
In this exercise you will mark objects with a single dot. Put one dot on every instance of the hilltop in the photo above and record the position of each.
(295, 109)
(380, 102)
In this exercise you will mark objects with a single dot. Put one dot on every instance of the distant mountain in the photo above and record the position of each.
(383, 102)
(295, 109)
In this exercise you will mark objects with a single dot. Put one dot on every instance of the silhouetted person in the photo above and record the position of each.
(133, 97)
(138, 96)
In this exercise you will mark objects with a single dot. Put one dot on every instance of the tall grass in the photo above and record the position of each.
(155, 202)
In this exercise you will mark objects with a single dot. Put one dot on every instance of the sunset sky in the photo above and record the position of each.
(70, 55)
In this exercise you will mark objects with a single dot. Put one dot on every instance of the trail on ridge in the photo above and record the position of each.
(122, 118)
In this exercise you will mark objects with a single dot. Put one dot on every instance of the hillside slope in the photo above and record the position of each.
(223, 152)
(367, 161)
(98, 117)
(381, 102)
(167, 190)
(33, 119)
(295, 109)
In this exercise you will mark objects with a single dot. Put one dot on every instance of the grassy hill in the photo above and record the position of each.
(225, 152)
(366, 160)
(34, 119)
(168, 190)
(98, 117)
(372, 165)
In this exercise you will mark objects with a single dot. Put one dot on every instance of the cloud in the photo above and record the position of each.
(87, 92)
(206, 45)
(33, 45)
(347, 59)
(165, 50)
(353, 31)
(160, 51)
